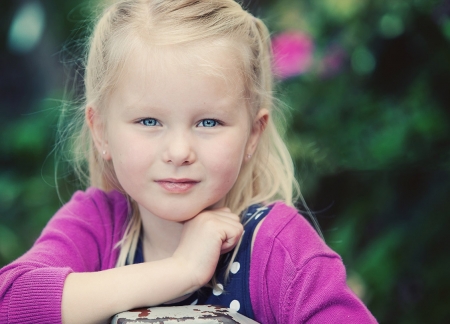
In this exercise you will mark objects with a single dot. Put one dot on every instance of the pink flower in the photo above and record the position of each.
(293, 54)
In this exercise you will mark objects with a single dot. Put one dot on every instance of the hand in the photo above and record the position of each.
(204, 238)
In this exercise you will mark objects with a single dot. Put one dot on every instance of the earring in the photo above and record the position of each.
(249, 156)
(104, 152)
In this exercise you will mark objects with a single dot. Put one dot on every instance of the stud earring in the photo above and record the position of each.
(104, 152)
(249, 156)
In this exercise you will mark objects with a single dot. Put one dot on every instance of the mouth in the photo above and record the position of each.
(177, 185)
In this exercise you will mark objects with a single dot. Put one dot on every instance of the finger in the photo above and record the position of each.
(229, 245)
(218, 209)
(233, 235)
(226, 213)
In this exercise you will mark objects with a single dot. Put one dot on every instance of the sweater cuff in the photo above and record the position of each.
(36, 296)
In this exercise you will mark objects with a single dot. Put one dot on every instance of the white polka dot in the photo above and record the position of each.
(235, 267)
(194, 302)
(257, 216)
(218, 292)
(235, 305)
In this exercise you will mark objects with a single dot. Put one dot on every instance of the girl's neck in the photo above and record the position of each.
(160, 237)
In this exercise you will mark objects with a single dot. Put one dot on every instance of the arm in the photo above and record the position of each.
(102, 294)
(93, 297)
(79, 244)
(318, 293)
(31, 291)
(296, 278)
(80, 237)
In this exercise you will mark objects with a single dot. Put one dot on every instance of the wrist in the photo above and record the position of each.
(192, 276)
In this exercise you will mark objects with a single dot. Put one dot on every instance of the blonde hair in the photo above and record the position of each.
(269, 175)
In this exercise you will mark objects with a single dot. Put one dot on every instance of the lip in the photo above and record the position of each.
(177, 185)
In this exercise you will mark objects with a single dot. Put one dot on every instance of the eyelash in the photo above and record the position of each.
(157, 123)
(143, 120)
(216, 122)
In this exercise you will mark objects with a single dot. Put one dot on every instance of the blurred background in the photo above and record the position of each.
(367, 86)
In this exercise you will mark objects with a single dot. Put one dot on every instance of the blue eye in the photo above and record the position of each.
(208, 123)
(149, 122)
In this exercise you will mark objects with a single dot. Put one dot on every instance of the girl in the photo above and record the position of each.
(178, 136)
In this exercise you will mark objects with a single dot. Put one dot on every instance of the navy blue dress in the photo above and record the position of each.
(236, 291)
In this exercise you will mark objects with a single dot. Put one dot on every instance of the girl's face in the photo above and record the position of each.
(177, 136)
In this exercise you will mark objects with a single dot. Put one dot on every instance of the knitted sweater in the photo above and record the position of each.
(294, 276)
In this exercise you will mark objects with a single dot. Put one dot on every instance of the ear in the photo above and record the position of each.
(97, 128)
(258, 127)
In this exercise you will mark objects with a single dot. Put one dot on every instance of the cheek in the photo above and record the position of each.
(126, 156)
(226, 158)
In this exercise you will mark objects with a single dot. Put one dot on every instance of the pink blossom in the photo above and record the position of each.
(293, 54)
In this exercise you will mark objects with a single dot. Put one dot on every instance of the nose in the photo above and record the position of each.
(179, 150)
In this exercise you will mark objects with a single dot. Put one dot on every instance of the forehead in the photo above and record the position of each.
(217, 59)
(181, 75)
(216, 65)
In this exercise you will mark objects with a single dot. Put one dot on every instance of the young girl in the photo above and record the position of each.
(181, 148)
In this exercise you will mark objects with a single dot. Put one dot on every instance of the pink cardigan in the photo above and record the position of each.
(294, 276)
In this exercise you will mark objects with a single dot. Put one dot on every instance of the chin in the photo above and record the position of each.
(177, 214)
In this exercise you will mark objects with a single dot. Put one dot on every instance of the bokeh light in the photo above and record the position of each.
(27, 27)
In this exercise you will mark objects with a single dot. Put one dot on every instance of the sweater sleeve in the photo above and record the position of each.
(296, 278)
(80, 237)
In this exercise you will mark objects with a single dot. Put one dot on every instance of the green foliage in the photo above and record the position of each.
(371, 140)
(28, 197)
